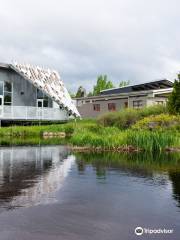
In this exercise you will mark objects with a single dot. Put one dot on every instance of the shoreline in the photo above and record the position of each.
(123, 149)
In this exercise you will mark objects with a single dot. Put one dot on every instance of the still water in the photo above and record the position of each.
(48, 193)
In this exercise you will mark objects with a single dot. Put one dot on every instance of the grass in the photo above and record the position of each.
(37, 131)
(93, 134)
(154, 141)
(112, 137)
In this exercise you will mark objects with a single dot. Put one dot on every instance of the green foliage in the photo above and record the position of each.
(124, 83)
(89, 133)
(154, 141)
(174, 98)
(127, 117)
(81, 92)
(106, 137)
(122, 119)
(112, 137)
(162, 121)
(142, 160)
(102, 84)
(152, 110)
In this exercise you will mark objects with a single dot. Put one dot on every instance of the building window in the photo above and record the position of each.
(42, 99)
(137, 104)
(1, 88)
(7, 93)
(111, 106)
(96, 107)
(7, 87)
(126, 104)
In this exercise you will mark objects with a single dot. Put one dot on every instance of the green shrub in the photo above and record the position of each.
(122, 119)
(69, 129)
(127, 117)
(158, 122)
(174, 98)
(152, 110)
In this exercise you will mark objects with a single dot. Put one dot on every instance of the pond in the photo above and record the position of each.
(50, 193)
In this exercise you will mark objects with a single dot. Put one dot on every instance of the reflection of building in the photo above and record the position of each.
(31, 175)
(33, 93)
(134, 96)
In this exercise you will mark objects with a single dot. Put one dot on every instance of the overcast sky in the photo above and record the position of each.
(137, 40)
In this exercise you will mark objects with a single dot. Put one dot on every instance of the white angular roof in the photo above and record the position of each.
(49, 82)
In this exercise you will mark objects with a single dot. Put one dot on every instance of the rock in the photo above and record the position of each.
(54, 134)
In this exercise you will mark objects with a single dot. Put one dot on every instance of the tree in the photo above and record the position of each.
(102, 84)
(81, 92)
(90, 94)
(124, 83)
(174, 98)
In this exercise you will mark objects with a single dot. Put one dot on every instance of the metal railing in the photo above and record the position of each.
(31, 113)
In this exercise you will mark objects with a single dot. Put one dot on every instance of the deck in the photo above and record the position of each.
(32, 113)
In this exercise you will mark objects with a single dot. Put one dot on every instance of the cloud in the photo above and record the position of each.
(125, 39)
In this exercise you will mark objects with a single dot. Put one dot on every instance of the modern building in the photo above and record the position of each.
(30, 93)
(134, 96)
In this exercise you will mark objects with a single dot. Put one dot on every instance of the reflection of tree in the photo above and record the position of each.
(100, 171)
(81, 165)
(144, 165)
(98, 166)
(175, 178)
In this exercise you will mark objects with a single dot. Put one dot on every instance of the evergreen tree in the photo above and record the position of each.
(81, 92)
(174, 98)
(124, 83)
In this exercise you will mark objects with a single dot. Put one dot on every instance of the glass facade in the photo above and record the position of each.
(8, 87)
(1, 88)
(6, 93)
(43, 97)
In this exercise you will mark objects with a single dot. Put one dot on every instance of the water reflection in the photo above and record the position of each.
(175, 178)
(155, 169)
(94, 196)
(31, 175)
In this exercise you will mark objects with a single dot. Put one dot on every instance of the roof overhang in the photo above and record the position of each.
(49, 82)
(126, 95)
(154, 85)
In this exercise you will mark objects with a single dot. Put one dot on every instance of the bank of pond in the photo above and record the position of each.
(151, 129)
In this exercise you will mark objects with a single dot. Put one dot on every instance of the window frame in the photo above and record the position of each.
(43, 97)
(96, 107)
(126, 104)
(112, 107)
(6, 93)
(138, 105)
